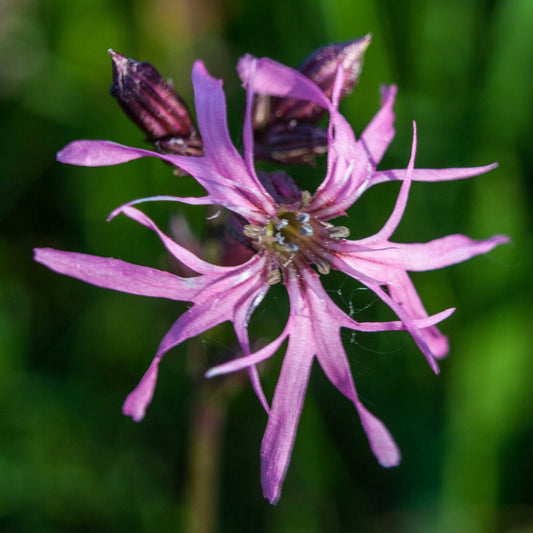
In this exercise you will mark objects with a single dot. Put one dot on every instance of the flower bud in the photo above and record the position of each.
(291, 144)
(152, 103)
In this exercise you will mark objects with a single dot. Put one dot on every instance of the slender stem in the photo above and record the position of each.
(204, 458)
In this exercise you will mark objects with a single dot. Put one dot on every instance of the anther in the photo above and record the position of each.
(322, 266)
(339, 232)
(306, 230)
(273, 277)
(306, 199)
(252, 231)
(303, 218)
(292, 247)
(283, 223)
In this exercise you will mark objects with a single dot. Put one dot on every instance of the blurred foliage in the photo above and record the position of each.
(70, 353)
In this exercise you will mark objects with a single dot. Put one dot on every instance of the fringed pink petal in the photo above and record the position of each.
(271, 77)
(351, 164)
(257, 387)
(179, 252)
(218, 302)
(117, 275)
(249, 360)
(88, 153)
(410, 326)
(438, 253)
(402, 290)
(280, 433)
(210, 103)
(327, 320)
(430, 174)
(401, 202)
(379, 133)
(381, 442)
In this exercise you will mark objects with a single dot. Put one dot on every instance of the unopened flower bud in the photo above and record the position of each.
(280, 186)
(291, 144)
(151, 102)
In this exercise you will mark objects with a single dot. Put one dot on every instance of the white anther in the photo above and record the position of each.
(303, 218)
(306, 230)
(283, 223)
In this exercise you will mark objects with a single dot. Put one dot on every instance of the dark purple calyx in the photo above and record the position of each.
(152, 103)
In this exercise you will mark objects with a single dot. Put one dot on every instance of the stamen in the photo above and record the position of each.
(280, 238)
(306, 199)
(325, 224)
(273, 277)
(283, 223)
(292, 247)
(322, 266)
(306, 230)
(339, 232)
(303, 218)
(252, 231)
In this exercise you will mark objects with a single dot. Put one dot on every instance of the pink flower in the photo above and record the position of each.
(294, 242)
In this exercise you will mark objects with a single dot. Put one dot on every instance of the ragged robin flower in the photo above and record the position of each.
(294, 243)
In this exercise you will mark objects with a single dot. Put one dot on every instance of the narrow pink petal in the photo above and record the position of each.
(118, 275)
(225, 186)
(348, 171)
(381, 442)
(410, 326)
(138, 400)
(179, 252)
(218, 302)
(317, 298)
(378, 135)
(430, 174)
(271, 77)
(246, 307)
(352, 164)
(103, 153)
(190, 200)
(210, 103)
(249, 360)
(285, 411)
(257, 387)
(215, 303)
(396, 216)
(402, 290)
(248, 134)
(396, 325)
(438, 253)
(326, 320)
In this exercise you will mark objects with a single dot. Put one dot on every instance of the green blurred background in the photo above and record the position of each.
(70, 352)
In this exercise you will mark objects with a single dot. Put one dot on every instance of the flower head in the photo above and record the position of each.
(293, 241)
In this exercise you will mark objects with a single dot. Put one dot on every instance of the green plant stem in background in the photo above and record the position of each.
(207, 429)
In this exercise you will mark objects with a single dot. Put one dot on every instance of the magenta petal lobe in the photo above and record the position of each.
(138, 400)
(381, 442)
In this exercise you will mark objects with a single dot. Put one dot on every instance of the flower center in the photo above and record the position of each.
(294, 238)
